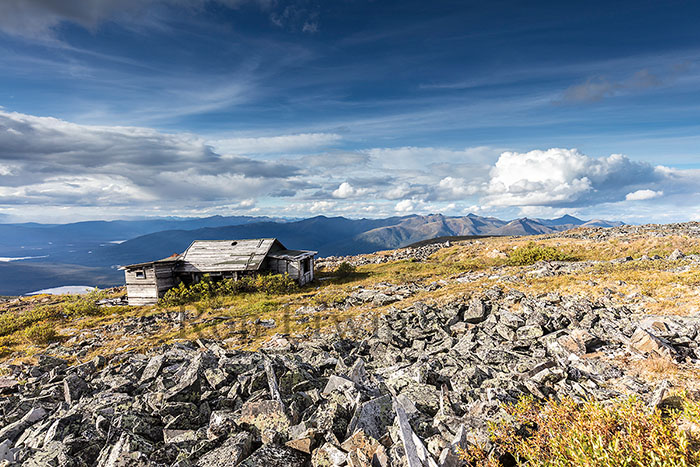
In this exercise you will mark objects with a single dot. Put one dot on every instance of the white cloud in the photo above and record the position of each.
(84, 190)
(452, 188)
(398, 192)
(404, 206)
(345, 190)
(640, 195)
(564, 177)
(473, 162)
(53, 162)
(322, 206)
(276, 144)
(49, 162)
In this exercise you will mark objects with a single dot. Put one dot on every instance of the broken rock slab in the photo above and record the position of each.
(271, 455)
(646, 342)
(13, 430)
(476, 311)
(73, 387)
(264, 415)
(373, 417)
(231, 453)
(328, 455)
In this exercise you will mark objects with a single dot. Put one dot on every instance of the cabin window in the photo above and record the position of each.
(141, 274)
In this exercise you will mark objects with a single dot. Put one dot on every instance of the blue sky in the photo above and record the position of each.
(121, 108)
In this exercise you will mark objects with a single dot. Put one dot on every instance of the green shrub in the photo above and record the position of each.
(532, 253)
(83, 305)
(275, 284)
(11, 322)
(207, 289)
(41, 333)
(623, 433)
(345, 270)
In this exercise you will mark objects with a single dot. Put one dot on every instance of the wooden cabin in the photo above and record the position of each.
(147, 282)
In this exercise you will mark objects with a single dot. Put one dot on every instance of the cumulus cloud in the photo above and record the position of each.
(322, 206)
(641, 195)
(455, 188)
(565, 177)
(399, 191)
(346, 190)
(405, 206)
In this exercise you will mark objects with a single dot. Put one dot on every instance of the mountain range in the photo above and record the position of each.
(38, 256)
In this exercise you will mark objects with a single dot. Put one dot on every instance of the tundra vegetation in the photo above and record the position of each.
(623, 433)
(641, 271)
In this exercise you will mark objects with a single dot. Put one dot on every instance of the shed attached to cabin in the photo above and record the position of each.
(147, 282)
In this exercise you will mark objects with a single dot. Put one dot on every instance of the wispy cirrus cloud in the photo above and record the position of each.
(40, 18)
(598, 88)
(277, 144)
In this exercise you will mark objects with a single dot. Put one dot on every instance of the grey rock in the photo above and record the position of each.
(230, 453)
(337, 383)
(476, 311)
(275, 456)
(73, 387)
(373, 417)
(529, 332)
(264, 415)
(328, 455)
(676, 255)
(152, 368)
(13, 430)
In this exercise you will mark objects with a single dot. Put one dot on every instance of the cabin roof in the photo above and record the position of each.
(292, 254)
(229, 255)
(170, 259)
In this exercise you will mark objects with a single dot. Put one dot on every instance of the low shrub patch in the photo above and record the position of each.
(533, 252)
(624, 433)
(84, 305)
(345, 270)
(11, 322)
(41, 333)
(207, 289)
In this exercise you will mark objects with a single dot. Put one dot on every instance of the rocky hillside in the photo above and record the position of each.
(403, 363)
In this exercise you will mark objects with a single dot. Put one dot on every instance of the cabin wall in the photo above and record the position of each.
(278, 266)
(141, 285)
(306, 270)
(144, 286)
(293, 268)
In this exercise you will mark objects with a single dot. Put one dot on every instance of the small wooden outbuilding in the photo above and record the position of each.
(147, 282)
